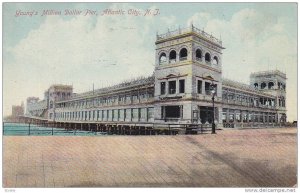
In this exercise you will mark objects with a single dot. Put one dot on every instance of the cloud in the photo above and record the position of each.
(79, 51)
(169, 20)
(250, 23)
(200, 18)
(60, 46)
(108, 49)
(250, 37)
(255, 41)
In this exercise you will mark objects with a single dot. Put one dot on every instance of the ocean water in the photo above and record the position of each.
(19, 129)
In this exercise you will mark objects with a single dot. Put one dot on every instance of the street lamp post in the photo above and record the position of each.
(213, 92)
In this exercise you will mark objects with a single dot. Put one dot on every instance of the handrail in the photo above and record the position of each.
(50, 129)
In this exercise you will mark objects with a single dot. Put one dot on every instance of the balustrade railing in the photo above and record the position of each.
(180, 31)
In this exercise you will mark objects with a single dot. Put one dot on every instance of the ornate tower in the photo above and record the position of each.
(188, 61)
(57, 93)
(272, 82)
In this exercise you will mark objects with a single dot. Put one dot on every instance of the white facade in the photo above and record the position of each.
(188, 62)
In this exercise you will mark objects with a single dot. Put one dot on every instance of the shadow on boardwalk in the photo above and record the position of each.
(233, 158)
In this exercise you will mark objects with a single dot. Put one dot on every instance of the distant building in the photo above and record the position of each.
(17, 110)
(187, 62)
(45, 108)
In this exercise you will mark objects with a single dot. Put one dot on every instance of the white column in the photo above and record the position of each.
(167, 87)
(177, 86)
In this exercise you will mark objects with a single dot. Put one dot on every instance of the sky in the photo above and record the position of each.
(100, 49)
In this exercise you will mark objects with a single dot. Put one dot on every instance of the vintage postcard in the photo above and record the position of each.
(150, 95)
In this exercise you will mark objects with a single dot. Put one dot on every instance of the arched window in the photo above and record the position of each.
(215, 60)
(198, 54)
(255, 85)
(270, 85)
(207, 57)
(263, 85)
(183, 54)
(162, 58)
(172, 56)
(279, 102)
(279, 85)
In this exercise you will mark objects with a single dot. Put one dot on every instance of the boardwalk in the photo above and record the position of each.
(232, 158)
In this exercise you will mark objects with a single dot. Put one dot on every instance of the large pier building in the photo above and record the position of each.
(188, 65)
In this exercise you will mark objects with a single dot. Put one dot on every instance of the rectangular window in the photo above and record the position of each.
(104, 115)
(150, 113)
(261, 117)
(128, 114)
(143, 113)
(207, 88)
(238, 117)
(109, 114)
(172, 87)
(162, 88)
(172, 111)
(250, 117)
(224, 116)
(199, 87)
(245, 117)
(181, 86)
(121, 98)
(135, 97)
(121, 115)
(135, 113)
(116, 115)
(128, 98)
